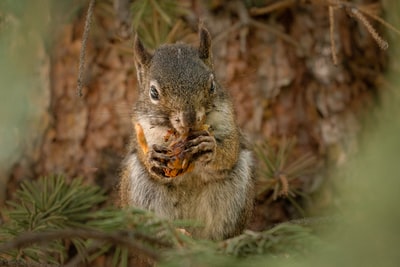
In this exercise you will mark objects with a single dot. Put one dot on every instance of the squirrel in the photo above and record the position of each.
(214, 182)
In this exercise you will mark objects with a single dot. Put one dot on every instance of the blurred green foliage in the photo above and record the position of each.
(23, 78)
(22, 27)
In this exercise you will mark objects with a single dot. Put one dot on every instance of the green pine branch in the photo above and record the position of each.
(280, 170)
(49, 217)
(49, 210)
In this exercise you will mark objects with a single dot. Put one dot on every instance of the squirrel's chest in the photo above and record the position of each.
(184, 201)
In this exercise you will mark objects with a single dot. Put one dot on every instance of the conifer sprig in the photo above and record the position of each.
(50, 211)
(280, 170)
(50, 216)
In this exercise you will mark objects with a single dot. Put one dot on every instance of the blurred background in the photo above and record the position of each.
(326, 134)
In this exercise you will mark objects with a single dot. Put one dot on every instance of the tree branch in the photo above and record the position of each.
(121, 238)
(83, 48)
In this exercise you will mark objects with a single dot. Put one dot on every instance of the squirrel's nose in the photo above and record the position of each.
(186, 121)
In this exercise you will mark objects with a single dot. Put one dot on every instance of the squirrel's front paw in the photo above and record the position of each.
(202, 146)
(158, 159)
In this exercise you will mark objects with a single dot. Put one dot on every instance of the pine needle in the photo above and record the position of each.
(375, 35)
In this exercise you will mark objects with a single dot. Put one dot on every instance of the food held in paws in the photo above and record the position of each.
(141, 138)
(181, 159)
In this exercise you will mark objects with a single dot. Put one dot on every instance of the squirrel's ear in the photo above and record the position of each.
(142, 58)
(205, 46)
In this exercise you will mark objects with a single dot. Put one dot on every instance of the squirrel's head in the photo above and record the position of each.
(176, 82)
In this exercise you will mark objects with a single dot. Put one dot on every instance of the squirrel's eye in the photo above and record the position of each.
(154, 93)
(211, 82)
(212, 87)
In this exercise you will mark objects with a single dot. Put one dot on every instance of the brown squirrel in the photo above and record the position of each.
(206, 175)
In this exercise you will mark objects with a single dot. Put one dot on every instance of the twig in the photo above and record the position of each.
(332, 34)
(279, 34)
(355, 9)
(375, 35)
(244, 18)
(363, 9)
(285, 185)
(256, 11)
(83, 48)
(223, 34)
(310, 221)
(120, 238)
(380, 20)
(22, 263)
(79, 258)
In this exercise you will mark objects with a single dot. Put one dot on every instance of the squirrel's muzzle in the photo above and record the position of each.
(188, 120)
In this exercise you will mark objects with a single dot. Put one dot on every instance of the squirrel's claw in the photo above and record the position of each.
(160, 149)
(159, 156)
(158, 160)
(202, 148)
